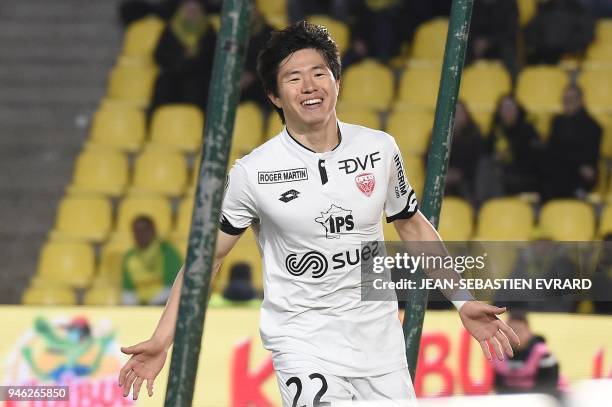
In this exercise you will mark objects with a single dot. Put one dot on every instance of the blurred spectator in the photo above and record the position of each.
(514, 150)
(184, 55)
(602, 279)
(493, 32)
(149, 268)
(599, 8)
(466, 151)
(572, 152)
(377, 31)
(546, 260)
(299, 10)
(249, 85)
(533, 368)
(239, 290)
(559, 28)
(132, 10)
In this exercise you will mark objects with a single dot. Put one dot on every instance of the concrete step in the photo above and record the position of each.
(51, 93)
(82, 75)
(59, 12)
(15, 54)
(80, 31)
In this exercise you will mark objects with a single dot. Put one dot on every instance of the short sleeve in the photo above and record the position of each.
(238, 209)
(401, 201)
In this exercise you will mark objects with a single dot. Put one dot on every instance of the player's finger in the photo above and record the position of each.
(128, 383)
(127, 368)
(509, 332)
(498, 348)
(505, 343)
(150, 387)
(130, 350)
(136, 388)
(495, 310)
(485, 349)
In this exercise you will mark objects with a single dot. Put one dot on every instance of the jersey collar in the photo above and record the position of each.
(291, 141)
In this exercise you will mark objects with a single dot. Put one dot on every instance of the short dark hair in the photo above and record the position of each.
(282, 43)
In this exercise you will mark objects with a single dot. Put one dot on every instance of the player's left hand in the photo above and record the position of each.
(482, 323)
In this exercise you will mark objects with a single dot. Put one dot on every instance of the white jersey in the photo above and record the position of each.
(311, 212)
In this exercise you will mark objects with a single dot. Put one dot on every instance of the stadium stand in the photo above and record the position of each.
(83, 217)
(100, 170)
(456, 220)
(178, 126)
(146, 171)
(367, 84)
(68, 263)
(118, 127)
(158, 170)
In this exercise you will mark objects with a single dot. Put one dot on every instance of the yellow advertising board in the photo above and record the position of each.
(79, 347)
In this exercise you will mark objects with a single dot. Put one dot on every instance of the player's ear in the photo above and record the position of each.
(275, 100)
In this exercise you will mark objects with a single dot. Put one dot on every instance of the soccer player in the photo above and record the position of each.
(313, 194)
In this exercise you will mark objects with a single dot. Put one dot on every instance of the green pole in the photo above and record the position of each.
(222, 100)
(437, 160)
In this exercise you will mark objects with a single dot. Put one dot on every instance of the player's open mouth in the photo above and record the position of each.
(312, 103)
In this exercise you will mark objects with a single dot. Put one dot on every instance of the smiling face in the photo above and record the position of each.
(306, 90)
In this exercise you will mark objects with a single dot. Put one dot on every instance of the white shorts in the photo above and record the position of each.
(319, 389)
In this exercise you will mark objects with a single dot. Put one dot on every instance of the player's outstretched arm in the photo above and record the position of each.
(479, 319)
(148, 357)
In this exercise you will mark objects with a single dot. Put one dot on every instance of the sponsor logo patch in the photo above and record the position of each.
(366, 183)
(275, 177)
(352, 165)
(312, 261)
(289, 195)
(400, 189)
(336, 221)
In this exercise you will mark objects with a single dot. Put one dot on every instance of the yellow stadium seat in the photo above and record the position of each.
(338, 30)
(568, 219)
(157, 207)
(456, 220)
(102, 295)
(180, 243)
(246, 250)
(367, 84)
(83, 217)
(102, 171)
(132, 84)
(111, 260)
(597, 87)
(540, 88)
(415, 171)
(69, 263)
(527, 10)
(178, 126)
(118, 127)
(606, 143)
(412, 130)
(49, 295)
(248, 128)
(274, 125)
(274, 12)
(360, 116)
(429, 40)
(603, 30)
(599, 54)
(483, 84)
(505, 219)
(160, 171)
(418, 88)
(141, 37)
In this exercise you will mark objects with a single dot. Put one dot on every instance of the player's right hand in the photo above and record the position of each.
(147, 360)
